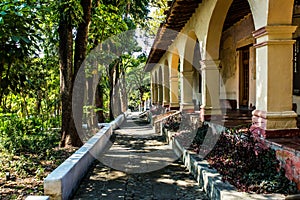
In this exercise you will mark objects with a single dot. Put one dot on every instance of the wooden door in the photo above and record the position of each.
(244, 77)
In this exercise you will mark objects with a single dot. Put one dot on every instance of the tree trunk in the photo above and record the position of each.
(111, 90)
(116, 94)
(123, 92)
(99, 103)
(79, 65)
(69, 132)
(66, 80)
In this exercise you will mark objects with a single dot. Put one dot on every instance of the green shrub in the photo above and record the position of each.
(27, 135)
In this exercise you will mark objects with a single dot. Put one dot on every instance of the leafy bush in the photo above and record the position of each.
(245, 162)
(172, 123)
(28, 146)
(31, 135)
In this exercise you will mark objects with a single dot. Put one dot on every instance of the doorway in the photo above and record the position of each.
(244, 77)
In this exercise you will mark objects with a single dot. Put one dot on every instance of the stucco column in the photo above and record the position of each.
(166, 87)
(153, 99)
(273, 116)
(155, 93)
(174, 103)
(186, 89)
(160, 93)
(210, 107)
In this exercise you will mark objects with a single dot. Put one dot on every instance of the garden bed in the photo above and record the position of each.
(245, 162)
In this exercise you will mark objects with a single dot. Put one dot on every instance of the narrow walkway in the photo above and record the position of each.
(139, 166)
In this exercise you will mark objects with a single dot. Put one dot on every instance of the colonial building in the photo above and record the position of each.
(236, 54)
(212, 56)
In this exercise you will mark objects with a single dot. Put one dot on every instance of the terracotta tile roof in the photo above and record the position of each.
(177, 16)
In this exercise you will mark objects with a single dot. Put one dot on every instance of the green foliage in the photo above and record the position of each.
(19, 26)
(245, 162)
(106, 21)
(135, 12)
(31, 88)
(71, 9)
(27, 135)
(25, 142)
(137, 79)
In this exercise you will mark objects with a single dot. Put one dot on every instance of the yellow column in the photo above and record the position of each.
(152, 89)
(210, 89)
(166, 87)
(155, 89)
(174, 103)
(186, 87)
(273, 116)
(159, 89)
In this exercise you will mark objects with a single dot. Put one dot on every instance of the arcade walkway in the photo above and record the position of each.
(136, 148)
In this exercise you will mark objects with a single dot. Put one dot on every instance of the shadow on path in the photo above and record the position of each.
(120, 174)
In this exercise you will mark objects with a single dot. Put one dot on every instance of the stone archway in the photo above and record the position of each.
(274, 45)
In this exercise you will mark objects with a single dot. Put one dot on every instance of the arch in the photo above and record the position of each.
(174, 62)
(264, 13)
(214, 29)
(188, 59)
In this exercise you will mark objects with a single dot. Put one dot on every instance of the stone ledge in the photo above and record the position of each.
(37, 198)
(64, 180)
(211, 181)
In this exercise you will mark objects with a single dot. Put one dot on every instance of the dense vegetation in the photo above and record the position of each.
(246, 162)
(42, 46)
(242, 159)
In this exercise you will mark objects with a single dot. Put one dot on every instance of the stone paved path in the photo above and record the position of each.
(131, 176)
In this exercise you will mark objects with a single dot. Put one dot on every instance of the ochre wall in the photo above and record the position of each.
(237, 36)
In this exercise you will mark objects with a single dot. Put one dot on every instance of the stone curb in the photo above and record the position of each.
(211, 181)
(38, 198)
(65, 179)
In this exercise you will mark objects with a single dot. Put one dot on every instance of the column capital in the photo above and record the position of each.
(276, 31)
(210, 64)
(277, 34)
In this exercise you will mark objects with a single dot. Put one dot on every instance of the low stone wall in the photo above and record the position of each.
(210, 180)
(158, 120)
(289, 160)
(64, 180)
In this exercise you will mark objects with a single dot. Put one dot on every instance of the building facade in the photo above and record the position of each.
(212, 55)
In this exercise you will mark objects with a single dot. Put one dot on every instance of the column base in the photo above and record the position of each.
(187, 107)
(174, 106)
(274, 124)
(166, 105)
(211, 114)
